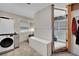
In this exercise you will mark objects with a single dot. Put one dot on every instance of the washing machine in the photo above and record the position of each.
(6, 42)
(6, 34)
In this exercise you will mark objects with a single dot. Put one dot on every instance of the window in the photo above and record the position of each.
(24, 26)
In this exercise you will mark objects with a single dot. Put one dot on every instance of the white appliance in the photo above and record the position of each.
(16, 41)
(6, 26)
(6, 34)
(6, 43)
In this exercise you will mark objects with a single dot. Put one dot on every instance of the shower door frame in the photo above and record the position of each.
(53, 29)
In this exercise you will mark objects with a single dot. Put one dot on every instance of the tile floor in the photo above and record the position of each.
(63, 54)
(25, 50)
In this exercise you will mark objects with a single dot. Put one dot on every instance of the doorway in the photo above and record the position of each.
(60, 29)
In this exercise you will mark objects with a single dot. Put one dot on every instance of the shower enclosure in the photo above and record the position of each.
(60, 29)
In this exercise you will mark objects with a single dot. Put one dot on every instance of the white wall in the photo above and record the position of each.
(43, 32)
(74, 46)
(17, 19)
(43, 24)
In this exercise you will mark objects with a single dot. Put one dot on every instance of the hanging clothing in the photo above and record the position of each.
(77, 37)
(74, 26)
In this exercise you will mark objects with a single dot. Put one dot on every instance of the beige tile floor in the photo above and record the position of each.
(25, 50)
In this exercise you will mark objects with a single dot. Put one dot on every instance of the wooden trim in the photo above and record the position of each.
(69, 24)
(75, 6)
(71, 4)
(70, 8)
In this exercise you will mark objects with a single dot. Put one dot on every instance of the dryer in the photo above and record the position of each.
(6, 26)
(6, 42)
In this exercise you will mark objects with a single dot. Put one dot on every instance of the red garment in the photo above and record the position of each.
(74, 26)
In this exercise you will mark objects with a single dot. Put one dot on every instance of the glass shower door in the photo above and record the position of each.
(60, 28)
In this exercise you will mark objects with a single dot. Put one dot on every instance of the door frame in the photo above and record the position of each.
(52, 20)
(69, 29)
(70, 8)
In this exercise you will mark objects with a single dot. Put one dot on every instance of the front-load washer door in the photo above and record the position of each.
(6, 42)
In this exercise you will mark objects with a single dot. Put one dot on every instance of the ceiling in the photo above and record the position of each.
(25, 9)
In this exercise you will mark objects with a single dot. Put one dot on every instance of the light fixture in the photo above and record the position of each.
(28, 3)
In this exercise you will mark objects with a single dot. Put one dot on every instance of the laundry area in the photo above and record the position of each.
(6, 34)
(37, 29)
(14, 30)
